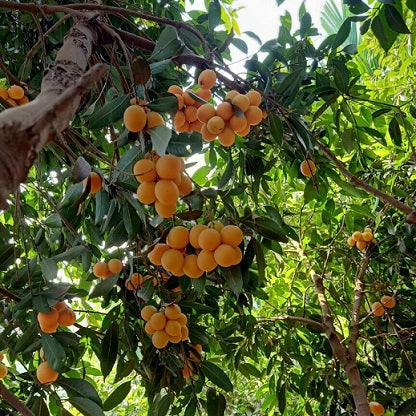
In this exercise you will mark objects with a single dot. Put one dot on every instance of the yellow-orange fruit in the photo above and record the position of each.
(388, 301)
(177, 272)
(152, 155)
(368, 230)
(206, 112)
(176, 339)
(180, 101)
(173, 328)
(135, 281)
(308, 168)
(166, 192)
(160, 339)
(178, 179)
(238, 255)
(45, 373)
(168, 166)
(178, 237)
(173, 311)
(357, 236)
(377, 308)
(231, 94)
(254, 97)
(191, 113)
(100, 269)
(194, 234)
(187, 372)
(158, 321)
(144, 170)
(154, 119)
(179, 119)
(147, 312)
(1, 355)
(187, 99)
(206, 260)
(115, 266)
(165, 211)
(23, 100)
(244, 132)
(67, 317)
(184, 128)
(207, 79)
(12, 102)
(351, 242)
(182, 319)
(217, 225)
(49, 327)
(241, 101)
(225, 255)
(48, 318)
(237, 123)
(227, 137)
(60, 306)
(134, 118)
(206, 135)
(195, 126)
(3, 93)
(185, 333)
(204, 93)
(231, 235)
(361, 245)
(146, 192)
(197, 348)
(96, 182)
(376, 408)
(139, 101)
(149, 329)
(175, 89)
(215, 125)
(253, 115)
(265, 115)
(172, 259)
(190, 267)
(209, 239)
(3, 370)
(155, 256)
(225, 110)
(367, 236)
(16, 92)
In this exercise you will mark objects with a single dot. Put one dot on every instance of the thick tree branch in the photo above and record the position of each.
(13, 401)
(5, 293)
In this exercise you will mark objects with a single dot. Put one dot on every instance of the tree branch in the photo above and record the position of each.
(306, 321)
(13, 401)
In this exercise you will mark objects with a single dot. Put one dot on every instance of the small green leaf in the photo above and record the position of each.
(167, 45)
(80, 170)
(104, 287)
(86, 406)
(49, 268)
(163, 406)
(342, 34)
(109, 113)
(125, 164)
(117, 396)
(54, 352)
(76, 387)
(276, 128)
(164, 104)
(270, 229)
(214, 14)
(70, 254)
(261, 262)
(146, 291)
(227, 175)
(216, 375)
(109, 349)
(160, 136)
(281, 398)
(234, 279)
(411, 4)
(394, 131)
(395, 19)
(216, 403)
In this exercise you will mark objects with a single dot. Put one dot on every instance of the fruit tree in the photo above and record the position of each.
(177, 238)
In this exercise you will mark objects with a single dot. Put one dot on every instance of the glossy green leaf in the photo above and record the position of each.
(86, 406)
(167, 45)
(395, 132)
(117, 396)
(216, 403)
(109, 349)
(276, 127)
(216, 375)
(76, 387)
(395, 19)
(160, 136)
(109, 113)
(342, 34)
(54, 352)
(234, 279)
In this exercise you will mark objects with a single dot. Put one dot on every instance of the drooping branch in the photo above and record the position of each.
(13, 401)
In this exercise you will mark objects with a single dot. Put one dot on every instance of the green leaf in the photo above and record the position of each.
(86, 406)
(227, 175)
(70, 254)
(348, 139)
(270, 229)
(54, 352)
(214, 14)
(261, 262)
(160, 136)
(395, 19)
(411, 4)
(281, 398)
(109, 113)
(49, 268)
(125, 164)
(39, 407)
(54, 221)
(109, 349)
(158, 67)
(7, 255)
(76, 387)
(216, 376)
(381, 33)
(104, 287)
(80, 170)
(394, 131)
(407, 408)
(163, 406)
(191, 408)
(305, 25)
(216, 403)
(342, 34)
(249, 370)
(164, 104)
(234, 279)
(167, 45)
(27, 338)
(276, 128)
(117, 396)
(146, 291)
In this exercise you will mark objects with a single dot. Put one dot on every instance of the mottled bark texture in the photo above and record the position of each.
(25, 130)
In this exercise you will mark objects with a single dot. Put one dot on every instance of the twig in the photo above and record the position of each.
(306, 321)
(10, 398)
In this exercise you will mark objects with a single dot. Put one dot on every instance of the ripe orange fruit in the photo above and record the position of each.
(179, 119)
(241, 101)
(100, 269)
(207, 79)
(215, 125)
(134, 118)
(180, 101)
(184, 332)
(165, 211)
(206, 135)
(45, 373)
(204, 93)
(225, 110)
(149, 329)
(231, 235)
(146, 193)
(206, 260)
(182, 319)
(377, 309)
(160, 339)
(135, 281)
(195, 126)
(3, 371)
(168, 166)
(173, 311)
(147, 312)
(60, 306)
(16, 92)
(155, 256)
(191, 113)
(206, 112)
(115, 266)
(175, 89)
(185, 187)
(176, 339)
(46, 319)
(225, 255)
(96, 182)
(194, 234)
(172, 259)
(351, 242)
(190, 267)
(254, 97)
(231, 94)
(357, 236)
(166, 192)
(144, 170)
(209, 239)
(153, 156)
(3, 93)
(253, 115)
(388, 301)
(361, 245)
(178, 237)
(227, 137)
(23, 100)
(67, 317)
(376, 408)
(367, 236)
(173, 328)
(308, 168)
(187, 99)
(245, 131)
(237, 123)
(158, 321)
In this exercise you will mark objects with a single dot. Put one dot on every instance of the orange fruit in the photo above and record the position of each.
(241, 101)
(227, 137)
(254, 97)
(180, 101)
(152, 155)
(245, 131)
(100, 269)
(158, 321)
(96, 182)
(225, 255)
(182, 319)
(149, 329)
(178, 237)
(376, 408)
(215, 125)
(175, 89)
(115, 266)
(155, 256)
(177, 272)
(237, 123)
(176, 339)
(206, 261)
(144, 170)
(209, 239)
(231, 235)
(185, 187)
(160, 339)
(60, 306)
(194, 234)
(357, 236)
(231, 94)
(45, 373)
(191, 113)
(377, 309)
(190, 267)
(179, 119)
(187, 99)
(187, 372)
(238, 255)
(197, 348)
(367, 236)
(15, 92)
(207, 79)
(308, 168)
(225, 110)
(253, 115)
(172, 259)
(168, 166)
(195, 126)
(206, 135)
(206, 112)
(3, 371)
(3, 93)
(361, 245)
(146, 192)
(184, 332)
(134, 118)
(388, 301)
(351, 242)
(173, 311)
(135, 281)
(165, 211)
(217, 225)
(204, 93)
(23, 100)
(46, 319)
(166, 192)
(147, 312)
(173, 328)
(67, 317)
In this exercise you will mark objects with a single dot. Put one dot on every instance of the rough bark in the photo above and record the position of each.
(25, 130)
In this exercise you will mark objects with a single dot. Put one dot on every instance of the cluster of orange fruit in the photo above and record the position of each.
(376, 408)
(362, 240)
(15, 95)
(96, 182)
(186, 118)
(105, 270)
(3, 368)
(191, 360)
(386, 301)
(135, 282)
(138, 117)
(168, 325)
(162, 180)
(60, 314)
(45, 373)
(214, 247)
